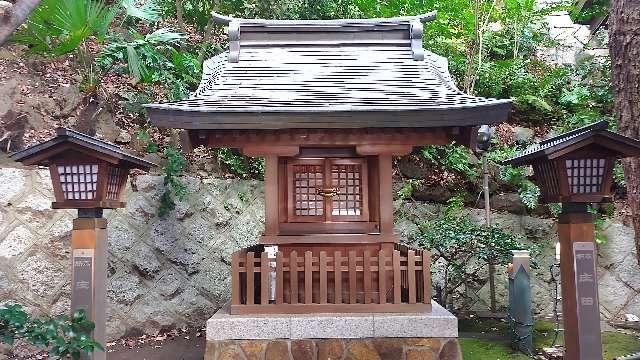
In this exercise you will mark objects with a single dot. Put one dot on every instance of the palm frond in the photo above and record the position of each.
(148, 12)
(164, 36)
(133, 62)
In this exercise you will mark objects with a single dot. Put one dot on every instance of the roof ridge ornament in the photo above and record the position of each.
(422, 18)
(415, 33)
(234, 42)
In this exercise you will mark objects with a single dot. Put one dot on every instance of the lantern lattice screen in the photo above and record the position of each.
(78, 182)
(547, 174)
(347, 179)
(585, 175)
(114, 182)
(307, 179)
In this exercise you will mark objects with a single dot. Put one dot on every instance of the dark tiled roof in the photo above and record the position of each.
(68, 135)
(324, 68)
(556, 143)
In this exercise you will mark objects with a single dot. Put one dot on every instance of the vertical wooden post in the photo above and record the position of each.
(265, 270)
(396, 277)
(322, 267)
(279, 278)
(385, 171)
(271, 194)
(411, 276)
(89, 272)
(308, 278)
(382, 273)
(249, 265)
(293, 276)
(352, 277)
(235, 278)
(576, 225)
(366, 268)
(426, 277)
(337, 277)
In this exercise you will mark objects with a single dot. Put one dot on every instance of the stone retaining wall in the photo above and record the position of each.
(336, 349)
(174, 272)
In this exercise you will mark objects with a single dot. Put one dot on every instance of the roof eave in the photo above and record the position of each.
(225, 19)
(627, 147)
(70, 136)
(463, 116)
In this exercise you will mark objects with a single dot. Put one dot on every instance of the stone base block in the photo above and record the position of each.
(430, 335)
(335, 349)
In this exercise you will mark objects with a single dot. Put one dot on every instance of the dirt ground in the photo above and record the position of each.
(172, 346)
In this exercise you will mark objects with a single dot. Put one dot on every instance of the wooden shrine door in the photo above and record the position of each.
(327, 190)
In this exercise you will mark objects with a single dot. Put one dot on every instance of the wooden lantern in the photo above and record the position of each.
(577, 166)
(85, 172)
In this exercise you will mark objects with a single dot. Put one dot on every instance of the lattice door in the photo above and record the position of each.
(327, 190)
(305, 177)
(348, 178)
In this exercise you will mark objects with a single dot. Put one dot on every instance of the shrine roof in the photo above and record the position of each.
(281, 74)
(34, 154)
(594, 133)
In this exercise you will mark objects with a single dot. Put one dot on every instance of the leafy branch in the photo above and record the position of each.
(66, 336)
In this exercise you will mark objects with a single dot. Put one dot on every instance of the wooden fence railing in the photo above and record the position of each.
(330, 282)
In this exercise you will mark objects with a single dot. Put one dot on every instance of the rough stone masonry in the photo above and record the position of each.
(174, 271)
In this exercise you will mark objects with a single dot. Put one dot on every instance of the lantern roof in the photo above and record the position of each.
(618, 146)
(70, 139)
(348, 73)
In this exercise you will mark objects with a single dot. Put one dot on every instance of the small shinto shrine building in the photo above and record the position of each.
(328, 103)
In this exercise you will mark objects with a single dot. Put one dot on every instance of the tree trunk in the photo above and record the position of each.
(15, 16)
(624, 47)
(180, 15)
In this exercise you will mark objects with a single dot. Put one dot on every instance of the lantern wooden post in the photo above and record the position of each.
(89, 271)
(580, 307)
(89, 175)
(575, 169)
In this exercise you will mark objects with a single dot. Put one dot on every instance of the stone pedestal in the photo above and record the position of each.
(379, 336)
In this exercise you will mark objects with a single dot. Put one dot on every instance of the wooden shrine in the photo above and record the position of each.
(328, 104)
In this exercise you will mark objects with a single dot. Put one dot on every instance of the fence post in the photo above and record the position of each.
(519, 315)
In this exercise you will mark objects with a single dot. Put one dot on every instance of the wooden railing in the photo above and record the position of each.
(330, 282)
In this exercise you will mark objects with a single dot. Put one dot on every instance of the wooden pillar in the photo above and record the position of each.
(385, 168)
(271, 189)
(271, 195)
(580, 307)
(385, 154)
(89, 272)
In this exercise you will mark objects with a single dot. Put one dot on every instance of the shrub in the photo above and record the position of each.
(65, 336)
(57, 27)
(466, 247)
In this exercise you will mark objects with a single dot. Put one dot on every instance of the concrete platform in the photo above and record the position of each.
(439, 323)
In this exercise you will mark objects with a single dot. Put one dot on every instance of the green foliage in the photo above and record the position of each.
(65, 336)
(555, 209)
(590, 10)
(153, 58)
(587, 96)
(58, 27)
(465, 245)
(174, 187)
(618, 175)
(599, 222)
(149, 146)
(406, 191)
(528, 191)
(240, 165)
(451, 157)
(147, 12)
